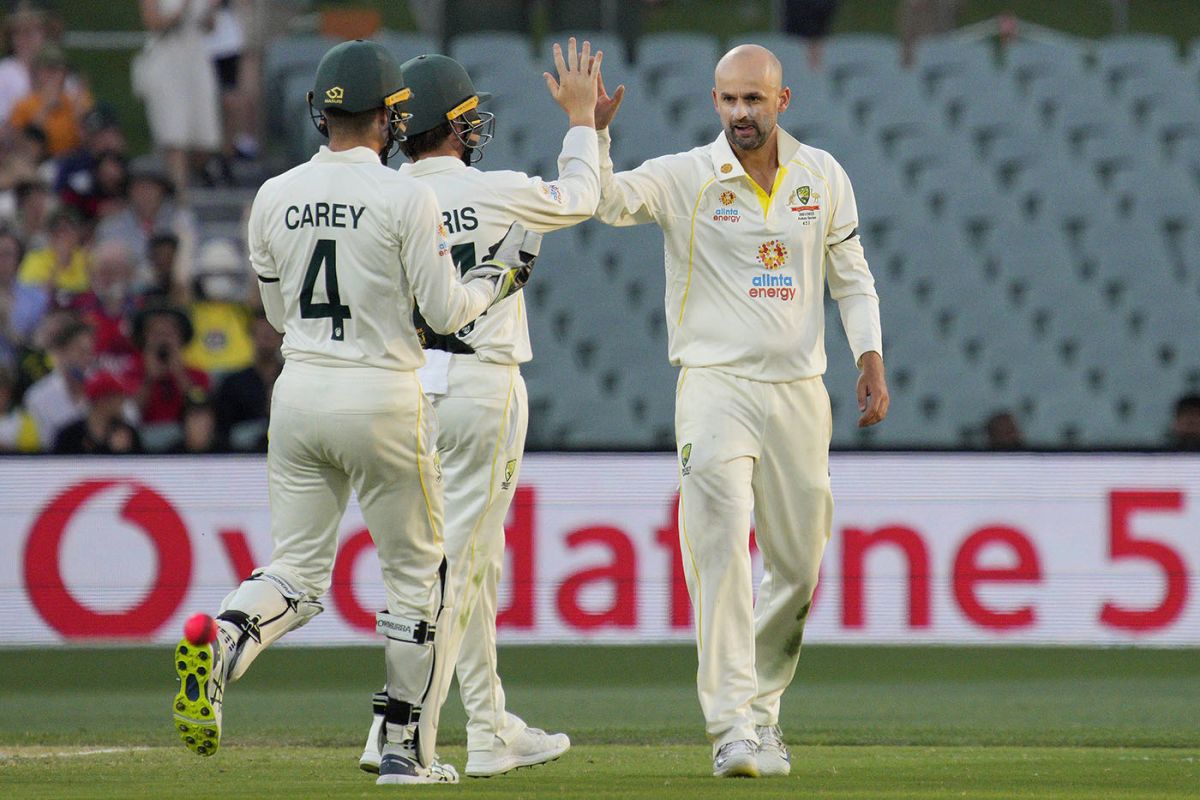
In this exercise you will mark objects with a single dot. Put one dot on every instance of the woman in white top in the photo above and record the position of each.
(175, 78)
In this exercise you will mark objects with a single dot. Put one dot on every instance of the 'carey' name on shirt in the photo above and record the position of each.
(323, 215)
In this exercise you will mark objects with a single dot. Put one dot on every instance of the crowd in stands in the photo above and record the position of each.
(122, 329)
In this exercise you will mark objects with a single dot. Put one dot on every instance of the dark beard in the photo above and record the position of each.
(758, 141)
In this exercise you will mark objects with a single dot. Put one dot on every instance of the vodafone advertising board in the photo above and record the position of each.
(926, 548)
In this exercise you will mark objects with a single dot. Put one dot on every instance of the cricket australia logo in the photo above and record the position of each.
(334, 94)
(803, 203)
(685, 455)
(509, 469)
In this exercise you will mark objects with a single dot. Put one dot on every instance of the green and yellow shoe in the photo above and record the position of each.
(197, 706)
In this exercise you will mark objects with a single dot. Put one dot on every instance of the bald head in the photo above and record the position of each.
(750, 61)
(749, 95)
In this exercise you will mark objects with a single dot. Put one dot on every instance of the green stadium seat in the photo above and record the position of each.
(284, 59)
(1027, 62)
(616, 54)
(491, 53)
(1122, 56)
(943, 57)
(407, 44)
(849, 54)
(661, 55)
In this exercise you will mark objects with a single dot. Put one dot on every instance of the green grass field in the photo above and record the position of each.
(862, 722)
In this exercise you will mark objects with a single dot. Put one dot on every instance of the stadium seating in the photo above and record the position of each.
(1031, 214)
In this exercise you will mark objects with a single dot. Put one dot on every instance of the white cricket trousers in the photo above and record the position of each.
(482, 421)
(334, 429)
(747, 446)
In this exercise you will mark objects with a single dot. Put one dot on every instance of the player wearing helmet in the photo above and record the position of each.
(342, 247)
(473, 375)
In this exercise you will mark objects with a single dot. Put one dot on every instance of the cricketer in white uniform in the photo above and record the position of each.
(341, 246)
(473, 376)
(755, 224)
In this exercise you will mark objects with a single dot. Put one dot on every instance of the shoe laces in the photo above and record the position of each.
(771, 736)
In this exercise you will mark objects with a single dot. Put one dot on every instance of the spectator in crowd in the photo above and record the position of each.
(175, 78)
(109, 306)
(20, 163)
(25, 36)
(59, 399)
(34, 361)
(33, 208)
(219, 314)
(243, 401)
(200, 434)
(163, 252)
(17, 430)
(150, 211)
(92, 178)
(810, 20)
(21, 306)
(917, 19)
(60, 269)
(53, 106)
(1185, 426)
(226, 43)
(104, 430)
(1002, 432)
(161, 382)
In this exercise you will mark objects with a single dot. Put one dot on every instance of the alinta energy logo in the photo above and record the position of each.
(727, 211)
(772, 254)
(770, 284)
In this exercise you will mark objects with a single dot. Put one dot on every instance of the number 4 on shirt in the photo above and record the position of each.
(324, 255)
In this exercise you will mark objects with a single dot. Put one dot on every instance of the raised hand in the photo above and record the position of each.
(606, 107)
(576, 87)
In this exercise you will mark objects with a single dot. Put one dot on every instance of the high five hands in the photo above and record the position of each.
(578, 81)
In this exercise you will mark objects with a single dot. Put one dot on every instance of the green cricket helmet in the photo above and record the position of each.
(443, 92)
(360, 76)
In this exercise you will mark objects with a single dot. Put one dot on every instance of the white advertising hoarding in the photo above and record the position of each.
(926, 548)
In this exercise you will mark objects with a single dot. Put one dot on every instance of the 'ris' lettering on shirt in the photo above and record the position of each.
(328, 215)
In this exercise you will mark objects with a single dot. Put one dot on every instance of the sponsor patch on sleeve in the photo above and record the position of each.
(552, 192)
(443, 244)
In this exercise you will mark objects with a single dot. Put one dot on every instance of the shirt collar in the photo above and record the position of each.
(726, 165)
(432, 164)
(355, 155)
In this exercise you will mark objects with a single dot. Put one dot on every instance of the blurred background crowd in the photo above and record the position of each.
(124, 326)
(133, 137)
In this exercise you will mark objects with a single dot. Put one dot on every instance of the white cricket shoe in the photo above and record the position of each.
(197, 705)
(399, 765)
(773, 756)
(373, 749)
(531, 747)
(736, 759)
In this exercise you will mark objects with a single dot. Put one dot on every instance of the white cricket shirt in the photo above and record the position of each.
(477, 208)
(746, 269)
(351, 242)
